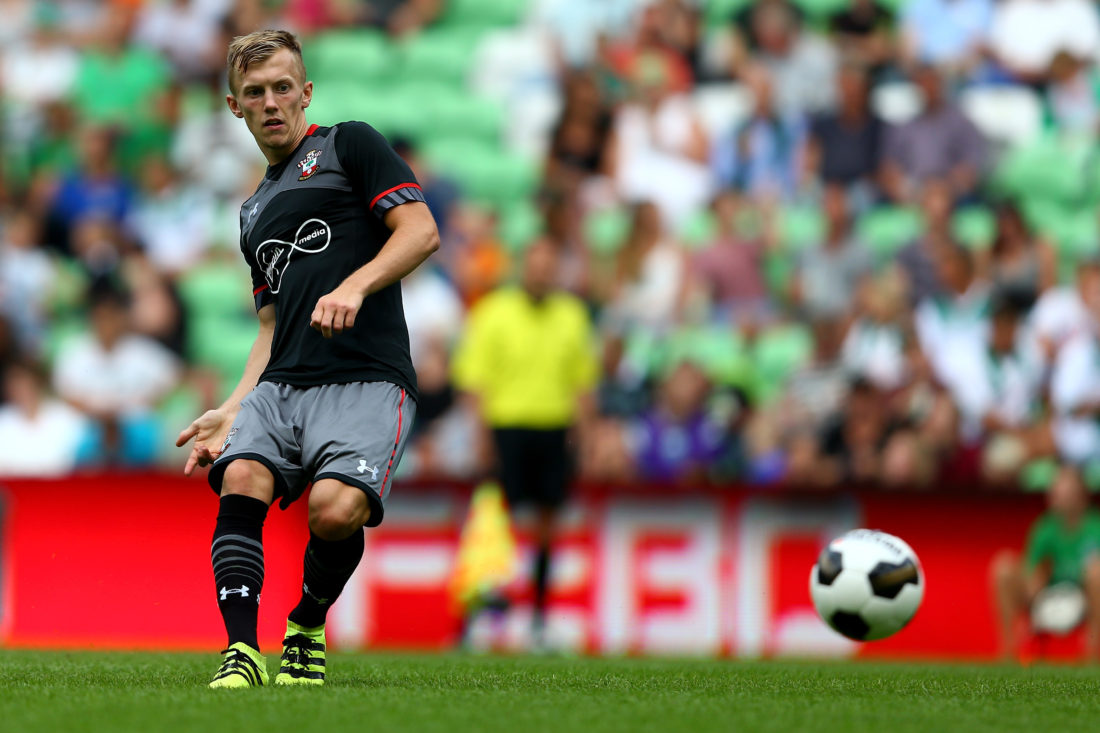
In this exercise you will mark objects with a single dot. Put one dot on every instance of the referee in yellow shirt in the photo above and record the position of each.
(528, 358)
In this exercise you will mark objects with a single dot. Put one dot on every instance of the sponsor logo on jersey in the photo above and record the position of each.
(308, 164)
(274, 255)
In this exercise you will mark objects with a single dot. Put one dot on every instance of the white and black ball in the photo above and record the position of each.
(867, 584)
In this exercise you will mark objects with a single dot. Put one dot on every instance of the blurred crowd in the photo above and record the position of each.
(762, 204)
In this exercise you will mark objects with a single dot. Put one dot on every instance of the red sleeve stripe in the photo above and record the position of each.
(388, 191)
(259, 290)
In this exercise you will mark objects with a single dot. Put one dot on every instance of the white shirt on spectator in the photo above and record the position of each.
(982, 383)
(1027, 34)
(1074, 383)
(45, 445)
(432, 308)
(175, 227)
(876, 352)
(950, 323)
(651, 300)
(128, 379)
(651, 164)
(1059, 316)
(26, 280)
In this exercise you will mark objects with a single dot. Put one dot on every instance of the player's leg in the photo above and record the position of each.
(1090, 583)
(1010, 599)
(237, 557)
(550, 462)
(353, 438)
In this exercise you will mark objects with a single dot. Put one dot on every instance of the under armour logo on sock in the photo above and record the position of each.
(363, 468)
(242, 592)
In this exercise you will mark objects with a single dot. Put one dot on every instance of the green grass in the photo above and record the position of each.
(56, 691)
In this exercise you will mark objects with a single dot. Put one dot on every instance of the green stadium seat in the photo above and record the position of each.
(720, 352)
(801, 227)
(174, 413)
(699, 230)
(484, 13)
(221, 343)
(776, 354)
(436, 56)
(818, 10)
(1045, 168)
(719, 12)
(212, 290)
(974, 226)
(520, 223)
(1038, 475)
(606, 230)
(887, 229)
(486, 174)
(58, 333)
(351, 55)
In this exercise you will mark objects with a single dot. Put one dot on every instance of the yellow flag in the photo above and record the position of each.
(486, 551)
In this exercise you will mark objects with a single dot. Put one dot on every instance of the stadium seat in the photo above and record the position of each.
(817, 11)
(698, 230)
(483, 13)
(1045, 168)
(606, 230)
(719, 351)
(221, 343)
(214, 290)
(974, 226)
(776, 353)
(350, 55)
(887, 229)
(718, 13)
(486, 173)
(800, 227)
(1005, 114)
(1038, 475)
(896, 102)
(436, 56)
(520, 223)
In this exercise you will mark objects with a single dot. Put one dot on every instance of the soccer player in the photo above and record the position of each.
(328, 392)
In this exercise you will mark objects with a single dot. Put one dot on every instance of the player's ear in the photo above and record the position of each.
(234, 107)
(307, 94)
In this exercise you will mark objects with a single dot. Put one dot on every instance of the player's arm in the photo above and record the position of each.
(211, 429)
(414, 238)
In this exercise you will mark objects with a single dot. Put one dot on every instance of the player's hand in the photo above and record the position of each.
(209, 432)
(337, 310)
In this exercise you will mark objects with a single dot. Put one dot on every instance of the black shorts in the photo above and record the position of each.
(534, 466)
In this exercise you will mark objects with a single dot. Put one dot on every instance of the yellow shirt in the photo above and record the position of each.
(527, 361)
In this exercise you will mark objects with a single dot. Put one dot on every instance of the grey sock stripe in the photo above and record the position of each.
(238, 558)
(230, 550)
(245, 572)
(240, 538)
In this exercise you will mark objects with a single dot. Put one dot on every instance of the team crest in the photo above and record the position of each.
(308, 164)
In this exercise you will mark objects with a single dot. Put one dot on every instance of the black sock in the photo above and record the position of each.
(327, 567)
(542, 581)
(237, 554)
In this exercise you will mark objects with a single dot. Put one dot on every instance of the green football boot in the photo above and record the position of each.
(243, 667)
(303, 660)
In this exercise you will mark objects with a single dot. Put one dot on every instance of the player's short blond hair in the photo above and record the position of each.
(257, 47)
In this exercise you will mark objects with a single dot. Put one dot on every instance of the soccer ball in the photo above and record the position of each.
(867, 584)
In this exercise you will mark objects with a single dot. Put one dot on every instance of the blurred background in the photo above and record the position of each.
(824, 245)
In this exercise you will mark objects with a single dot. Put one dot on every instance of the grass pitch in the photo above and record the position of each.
(56, 691)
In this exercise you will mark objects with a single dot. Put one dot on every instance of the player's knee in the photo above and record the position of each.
(248, 478)
(337, 520)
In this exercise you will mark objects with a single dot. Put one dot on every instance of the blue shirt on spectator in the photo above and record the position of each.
(946, 30)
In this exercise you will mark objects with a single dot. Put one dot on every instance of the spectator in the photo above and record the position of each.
(1061, 549)
(527, 361)
(763, 156)
(26, 278)
(171, 220)
(826, 276)
(1071, 98)
(116, 378)
(957, 319)
(917, 260)
(1075, 400)
(729, 272)
(801, 64)
(441, 194)
(39, 435)
(1066, 312)
(843, 147)
(580, 138)
(864, 29)
(660, 149)
(648, 283)
(185, 32)
(677, 440)
(874, 347)
(939, 143)
(996, 385)
(949, 34)
(1021, 266)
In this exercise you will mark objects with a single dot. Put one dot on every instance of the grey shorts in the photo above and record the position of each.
(354, 432)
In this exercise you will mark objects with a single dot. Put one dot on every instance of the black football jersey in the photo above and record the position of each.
(315, 219)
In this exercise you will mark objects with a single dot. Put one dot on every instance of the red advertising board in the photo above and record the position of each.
(122, 561)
